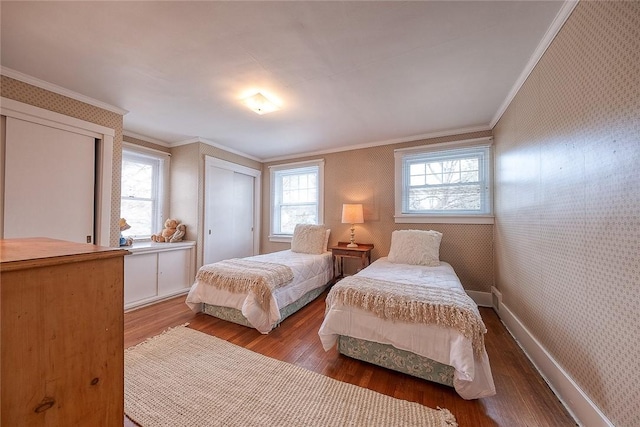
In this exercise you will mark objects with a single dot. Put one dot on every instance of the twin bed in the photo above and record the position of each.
(262, 290)
(412, 319)
(407, 312)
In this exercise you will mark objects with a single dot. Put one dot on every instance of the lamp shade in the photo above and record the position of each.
(352, 214)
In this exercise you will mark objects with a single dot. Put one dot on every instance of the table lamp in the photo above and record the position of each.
(352, 214)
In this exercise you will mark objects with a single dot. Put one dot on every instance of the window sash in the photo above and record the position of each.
(305, 203)
(147, 216)
(462, 190)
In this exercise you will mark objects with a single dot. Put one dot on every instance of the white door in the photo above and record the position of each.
(230, 211)
(49, 183)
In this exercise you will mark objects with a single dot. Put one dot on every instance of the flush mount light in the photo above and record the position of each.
(260, 104)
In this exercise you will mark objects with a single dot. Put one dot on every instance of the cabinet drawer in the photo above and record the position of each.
(347, 252)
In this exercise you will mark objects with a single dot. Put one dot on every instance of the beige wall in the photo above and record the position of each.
(568, 204)
(32, 95)
(184, 190)
(367, 176)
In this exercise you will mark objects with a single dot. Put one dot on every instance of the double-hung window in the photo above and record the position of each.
(143, 196)
(296, 197)
(448, 182)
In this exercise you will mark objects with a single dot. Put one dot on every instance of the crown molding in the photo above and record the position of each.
(184, 142)
(552, 31)
(146, 138)
(215, 144)
(411, 138)
(17, 75)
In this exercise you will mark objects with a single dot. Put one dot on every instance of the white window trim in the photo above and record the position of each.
(163, 208)
(286, 238)
(402, 218)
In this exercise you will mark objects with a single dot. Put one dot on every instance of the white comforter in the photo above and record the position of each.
(472, 377)
(309, 272)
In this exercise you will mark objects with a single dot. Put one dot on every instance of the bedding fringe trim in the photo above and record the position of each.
(412, 303)
(245, 276)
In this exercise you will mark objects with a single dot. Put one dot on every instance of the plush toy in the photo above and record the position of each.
(124, 241)
(181, 230)
(173, 232)
(123, 224)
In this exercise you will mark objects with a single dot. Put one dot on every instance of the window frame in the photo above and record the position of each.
(275, 189)
(443, 151)
(160, 184)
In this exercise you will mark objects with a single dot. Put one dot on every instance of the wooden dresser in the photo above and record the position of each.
(61, 333)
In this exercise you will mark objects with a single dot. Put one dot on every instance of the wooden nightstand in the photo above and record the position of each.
(341, 251)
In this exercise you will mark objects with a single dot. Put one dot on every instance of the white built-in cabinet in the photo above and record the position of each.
(155, 271)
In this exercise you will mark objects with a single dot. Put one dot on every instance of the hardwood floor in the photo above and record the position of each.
(522, 399)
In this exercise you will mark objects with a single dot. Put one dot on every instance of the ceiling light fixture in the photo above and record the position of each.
(260, 104)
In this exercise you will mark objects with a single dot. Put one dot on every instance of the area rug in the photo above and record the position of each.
(188, 378)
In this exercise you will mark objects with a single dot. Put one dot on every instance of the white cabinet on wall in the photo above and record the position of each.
(154, 271)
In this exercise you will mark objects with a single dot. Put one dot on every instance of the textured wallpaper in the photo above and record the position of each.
(568, 204)
(28, 94)
(367, 176)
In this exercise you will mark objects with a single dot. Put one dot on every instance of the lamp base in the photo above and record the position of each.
(352, 240)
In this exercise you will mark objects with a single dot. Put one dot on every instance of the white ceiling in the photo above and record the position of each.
(347, 74)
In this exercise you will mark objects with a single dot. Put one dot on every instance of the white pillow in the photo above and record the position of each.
(416, 247)
(308, 239)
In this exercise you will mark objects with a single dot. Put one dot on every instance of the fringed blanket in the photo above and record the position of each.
(412, 303)
(245, 276)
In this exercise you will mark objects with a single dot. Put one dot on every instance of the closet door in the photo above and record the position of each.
(230, 211)
(242, 239)
(49, 183)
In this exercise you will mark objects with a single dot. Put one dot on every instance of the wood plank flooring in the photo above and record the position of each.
(522, 399)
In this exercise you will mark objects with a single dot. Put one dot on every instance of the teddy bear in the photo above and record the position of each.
(170, 226)
(173, 232)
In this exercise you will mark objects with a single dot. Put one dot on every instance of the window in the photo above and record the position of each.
(448, 182)
(143, 196)
(296, 197)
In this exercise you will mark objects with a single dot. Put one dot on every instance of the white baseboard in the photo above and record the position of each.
(583, 410)
(153, 300)
(483, 299)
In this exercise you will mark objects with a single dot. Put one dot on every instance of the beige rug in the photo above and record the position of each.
(187, 378)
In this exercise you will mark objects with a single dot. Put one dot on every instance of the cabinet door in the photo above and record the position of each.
(140, 277)
(174, 271)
